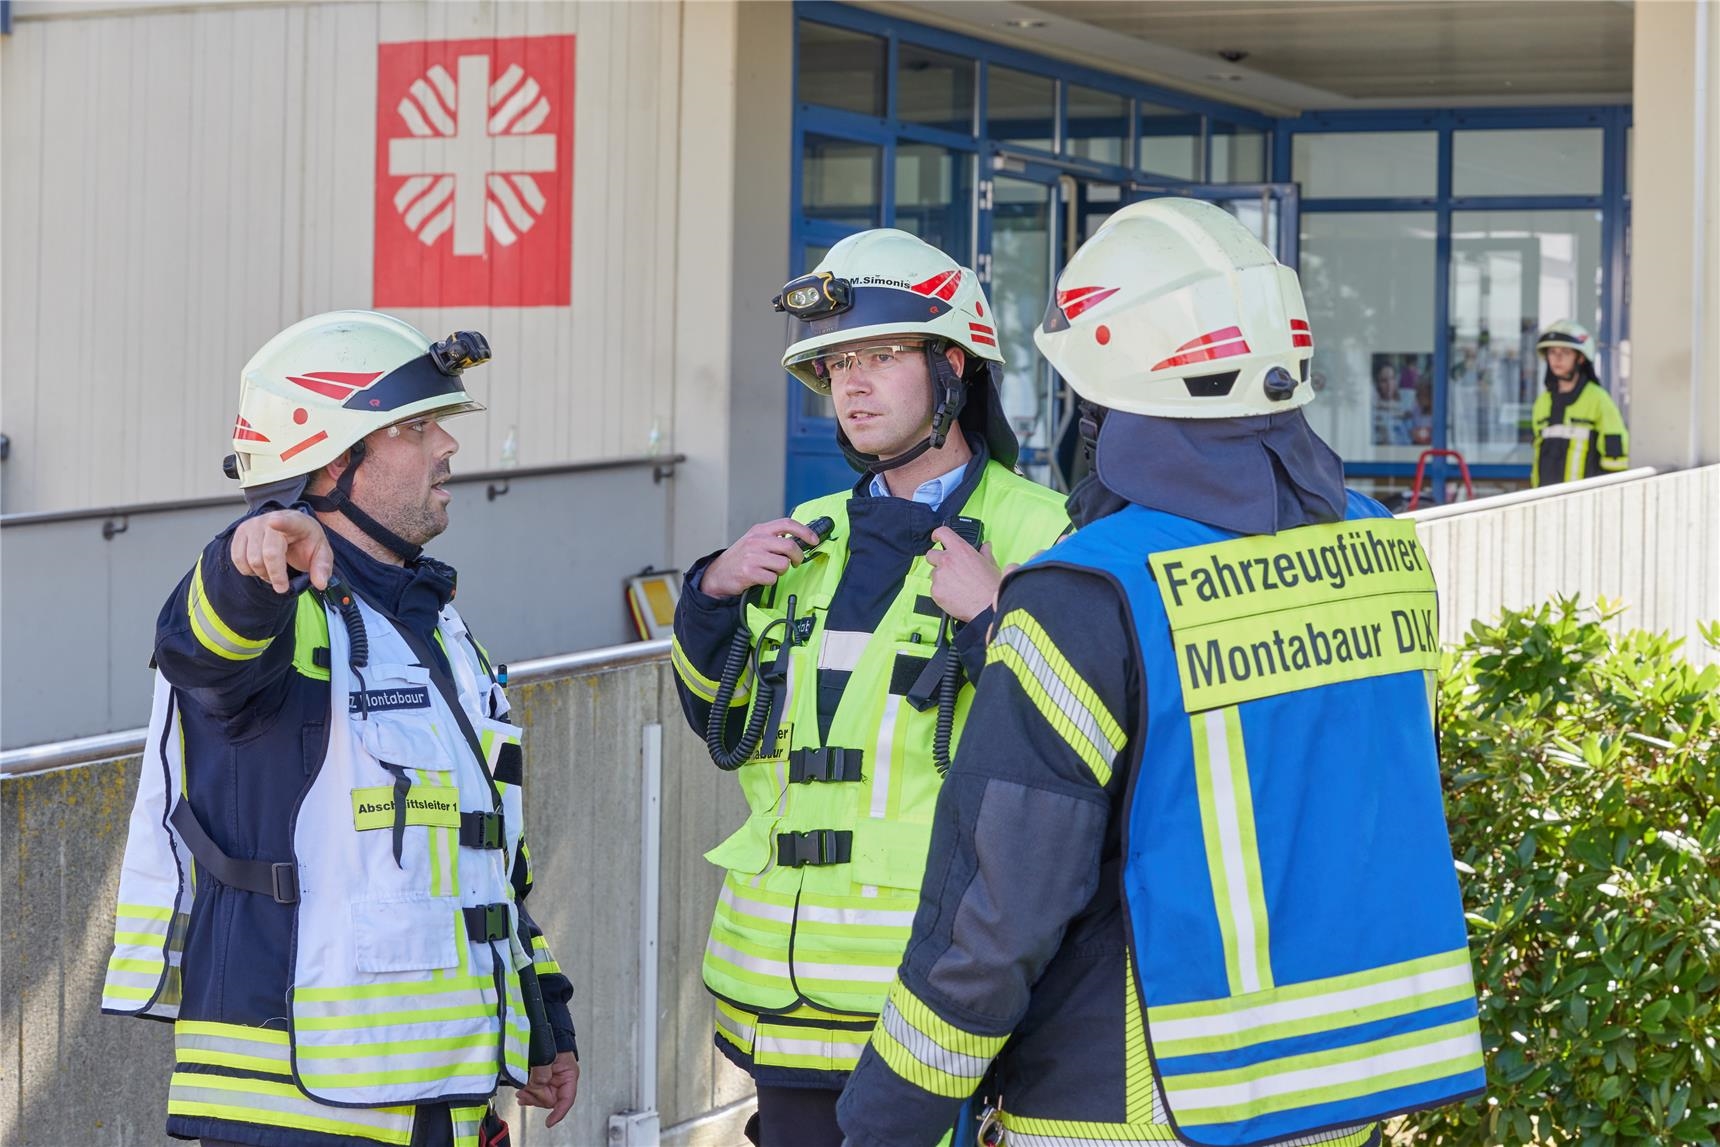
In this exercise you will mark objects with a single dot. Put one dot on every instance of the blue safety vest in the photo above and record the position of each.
(1293, 907)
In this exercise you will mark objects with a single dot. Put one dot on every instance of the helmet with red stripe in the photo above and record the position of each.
(325, 382)
(884, 283)
(883, 286)
(1173, 309)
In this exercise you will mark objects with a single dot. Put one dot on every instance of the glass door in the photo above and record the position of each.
(1023, 239)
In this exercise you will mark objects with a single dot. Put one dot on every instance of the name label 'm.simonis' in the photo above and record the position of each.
(1258, 616)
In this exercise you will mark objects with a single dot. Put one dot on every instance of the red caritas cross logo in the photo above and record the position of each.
(474, 173)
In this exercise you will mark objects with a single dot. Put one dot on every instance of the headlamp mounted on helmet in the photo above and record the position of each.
(459, 351)
(815, 296)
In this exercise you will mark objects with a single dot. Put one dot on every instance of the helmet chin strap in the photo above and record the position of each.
(950, 393)
(340, 500)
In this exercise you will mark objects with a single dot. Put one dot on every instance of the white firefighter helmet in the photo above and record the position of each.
(325, 382)
(1173, 309)
(1567, 333)
(885, 283)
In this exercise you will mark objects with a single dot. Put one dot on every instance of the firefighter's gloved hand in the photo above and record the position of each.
(552, 1085)
(964, 580)
(271, 546)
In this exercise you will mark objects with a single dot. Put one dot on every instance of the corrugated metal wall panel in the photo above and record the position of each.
(181, 184)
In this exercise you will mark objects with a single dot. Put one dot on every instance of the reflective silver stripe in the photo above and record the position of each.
(466, 1131)
(751, 963)
(251, 1095)
(863, 972)
(858, 917)
(742, 1032)
(841, 649)
(829, 1048)
(882, 756)
(1565, 430)
(209, 626)
(192, 1040)
(1065, 701)
(923, 1048)
(425, 997)
(119, 979)
(781, 913)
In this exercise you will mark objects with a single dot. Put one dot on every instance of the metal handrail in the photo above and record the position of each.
(128, 742)
(1536, 494)
(663, 465)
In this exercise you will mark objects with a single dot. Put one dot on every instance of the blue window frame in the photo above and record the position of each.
(1612, 204)
(911, 153)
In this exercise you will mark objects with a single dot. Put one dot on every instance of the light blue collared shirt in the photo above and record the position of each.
(931, 492)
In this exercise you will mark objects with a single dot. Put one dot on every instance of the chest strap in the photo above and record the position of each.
(827, 764)
(818, 847)
(276, 879)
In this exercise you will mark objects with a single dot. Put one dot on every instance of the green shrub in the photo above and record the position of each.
(1582, 770)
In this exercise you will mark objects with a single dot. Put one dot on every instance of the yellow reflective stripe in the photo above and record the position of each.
(396, 1046)
(147, 967)
(141, 939)
(928, 1051)
(214, 634)
(1140, 1096)
(1067, 702)
(122, 992)
(468, 1121)
(385, 1019)
(231, 1031)
(700, 686)
(1025, 1131)
(1321, 1077)
(543, 960)
(261, 1063)
(144, 912)
(484, 1064)
(1313, 1006)
(379, 991)
(1232, 850)
(248, 1100)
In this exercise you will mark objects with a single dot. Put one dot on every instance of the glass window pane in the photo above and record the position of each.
(839, 181)
(840, 69)
(1512, 273)
(1021, 235)
(1020, 108)
(1365, 164)
(1369, 281)
(1098, 126)
(934, 197)
(1629, 158)
(1536, 162)
(1238, 154)
(1170, 142)
(934, 89)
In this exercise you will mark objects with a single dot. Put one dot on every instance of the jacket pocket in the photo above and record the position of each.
(407, 934)
(890, 852)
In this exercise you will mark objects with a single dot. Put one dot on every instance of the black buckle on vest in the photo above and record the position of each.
(486, 922)
(818, 847)
(481, 830)
(827, 764)
(284, 879)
